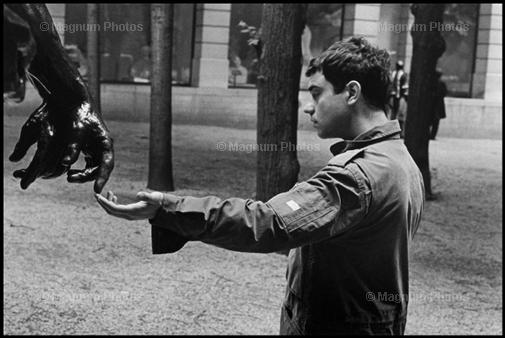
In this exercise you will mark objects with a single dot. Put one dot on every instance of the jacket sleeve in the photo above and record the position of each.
(323, 206)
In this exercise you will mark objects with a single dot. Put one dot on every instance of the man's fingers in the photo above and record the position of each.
(123, 211)
(111, 197)
(119, 208)
(104, 203)
(106, 166)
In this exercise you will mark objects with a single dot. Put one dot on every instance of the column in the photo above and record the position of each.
(362, 19)
(212, 32)
(404, 48)
(409, 43)
(487, 79)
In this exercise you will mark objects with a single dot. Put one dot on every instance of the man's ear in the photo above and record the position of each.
(354, 92)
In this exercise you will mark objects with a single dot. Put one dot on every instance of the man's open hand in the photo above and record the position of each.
(146, 207)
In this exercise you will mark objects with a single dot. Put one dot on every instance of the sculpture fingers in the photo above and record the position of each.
(106, 165)
(82, 175)
(36, 166)
(53, 164)
(30, 133)
(65, 150)
(71, 154)
(27, 138)
(19, 173)
(60, 164)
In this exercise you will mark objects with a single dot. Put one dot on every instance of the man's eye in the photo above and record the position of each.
(315, 96)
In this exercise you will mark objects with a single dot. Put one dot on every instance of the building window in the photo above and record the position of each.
(125, 41)
(458, 61)
(324, 27)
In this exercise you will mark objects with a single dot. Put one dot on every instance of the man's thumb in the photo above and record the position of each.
(150, 197)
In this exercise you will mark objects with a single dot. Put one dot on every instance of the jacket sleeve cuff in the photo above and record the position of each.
(169, 217)
(162, 219)
(165, 216)
(163, 238)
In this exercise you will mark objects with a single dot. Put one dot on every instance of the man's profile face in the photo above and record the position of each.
(329, 112)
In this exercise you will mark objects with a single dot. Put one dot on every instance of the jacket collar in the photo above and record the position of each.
(389, 130)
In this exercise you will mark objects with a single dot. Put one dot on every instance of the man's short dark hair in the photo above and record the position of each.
(355, 59)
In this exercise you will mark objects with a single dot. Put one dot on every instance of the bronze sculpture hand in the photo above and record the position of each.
(61, 136)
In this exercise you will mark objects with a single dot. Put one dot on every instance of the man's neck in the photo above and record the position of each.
(366, 121)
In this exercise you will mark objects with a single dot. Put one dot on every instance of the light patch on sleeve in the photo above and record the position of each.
(293, 205)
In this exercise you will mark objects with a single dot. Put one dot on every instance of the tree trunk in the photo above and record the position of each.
(93, 47)
(428, 46)
(278, 87)
(160, 142)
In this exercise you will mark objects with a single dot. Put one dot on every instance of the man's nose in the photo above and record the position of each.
(309, 108)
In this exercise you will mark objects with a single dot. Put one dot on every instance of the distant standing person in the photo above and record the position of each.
(400, 87)
(141, 69)
(398, 96)
(438, 104)
(401, 115)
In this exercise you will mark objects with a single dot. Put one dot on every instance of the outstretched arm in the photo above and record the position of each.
(328, 204)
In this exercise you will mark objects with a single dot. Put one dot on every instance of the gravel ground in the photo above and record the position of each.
(69, 268)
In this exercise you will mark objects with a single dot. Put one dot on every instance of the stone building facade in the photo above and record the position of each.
(211, 95)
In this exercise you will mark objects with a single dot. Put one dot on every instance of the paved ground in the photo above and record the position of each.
(69, 268)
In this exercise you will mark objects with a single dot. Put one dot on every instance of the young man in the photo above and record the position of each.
(349, 226)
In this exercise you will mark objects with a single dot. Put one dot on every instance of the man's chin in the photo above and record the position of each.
(325, 135)
(321, 134)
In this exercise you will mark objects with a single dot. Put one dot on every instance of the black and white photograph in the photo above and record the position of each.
(252, 169)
